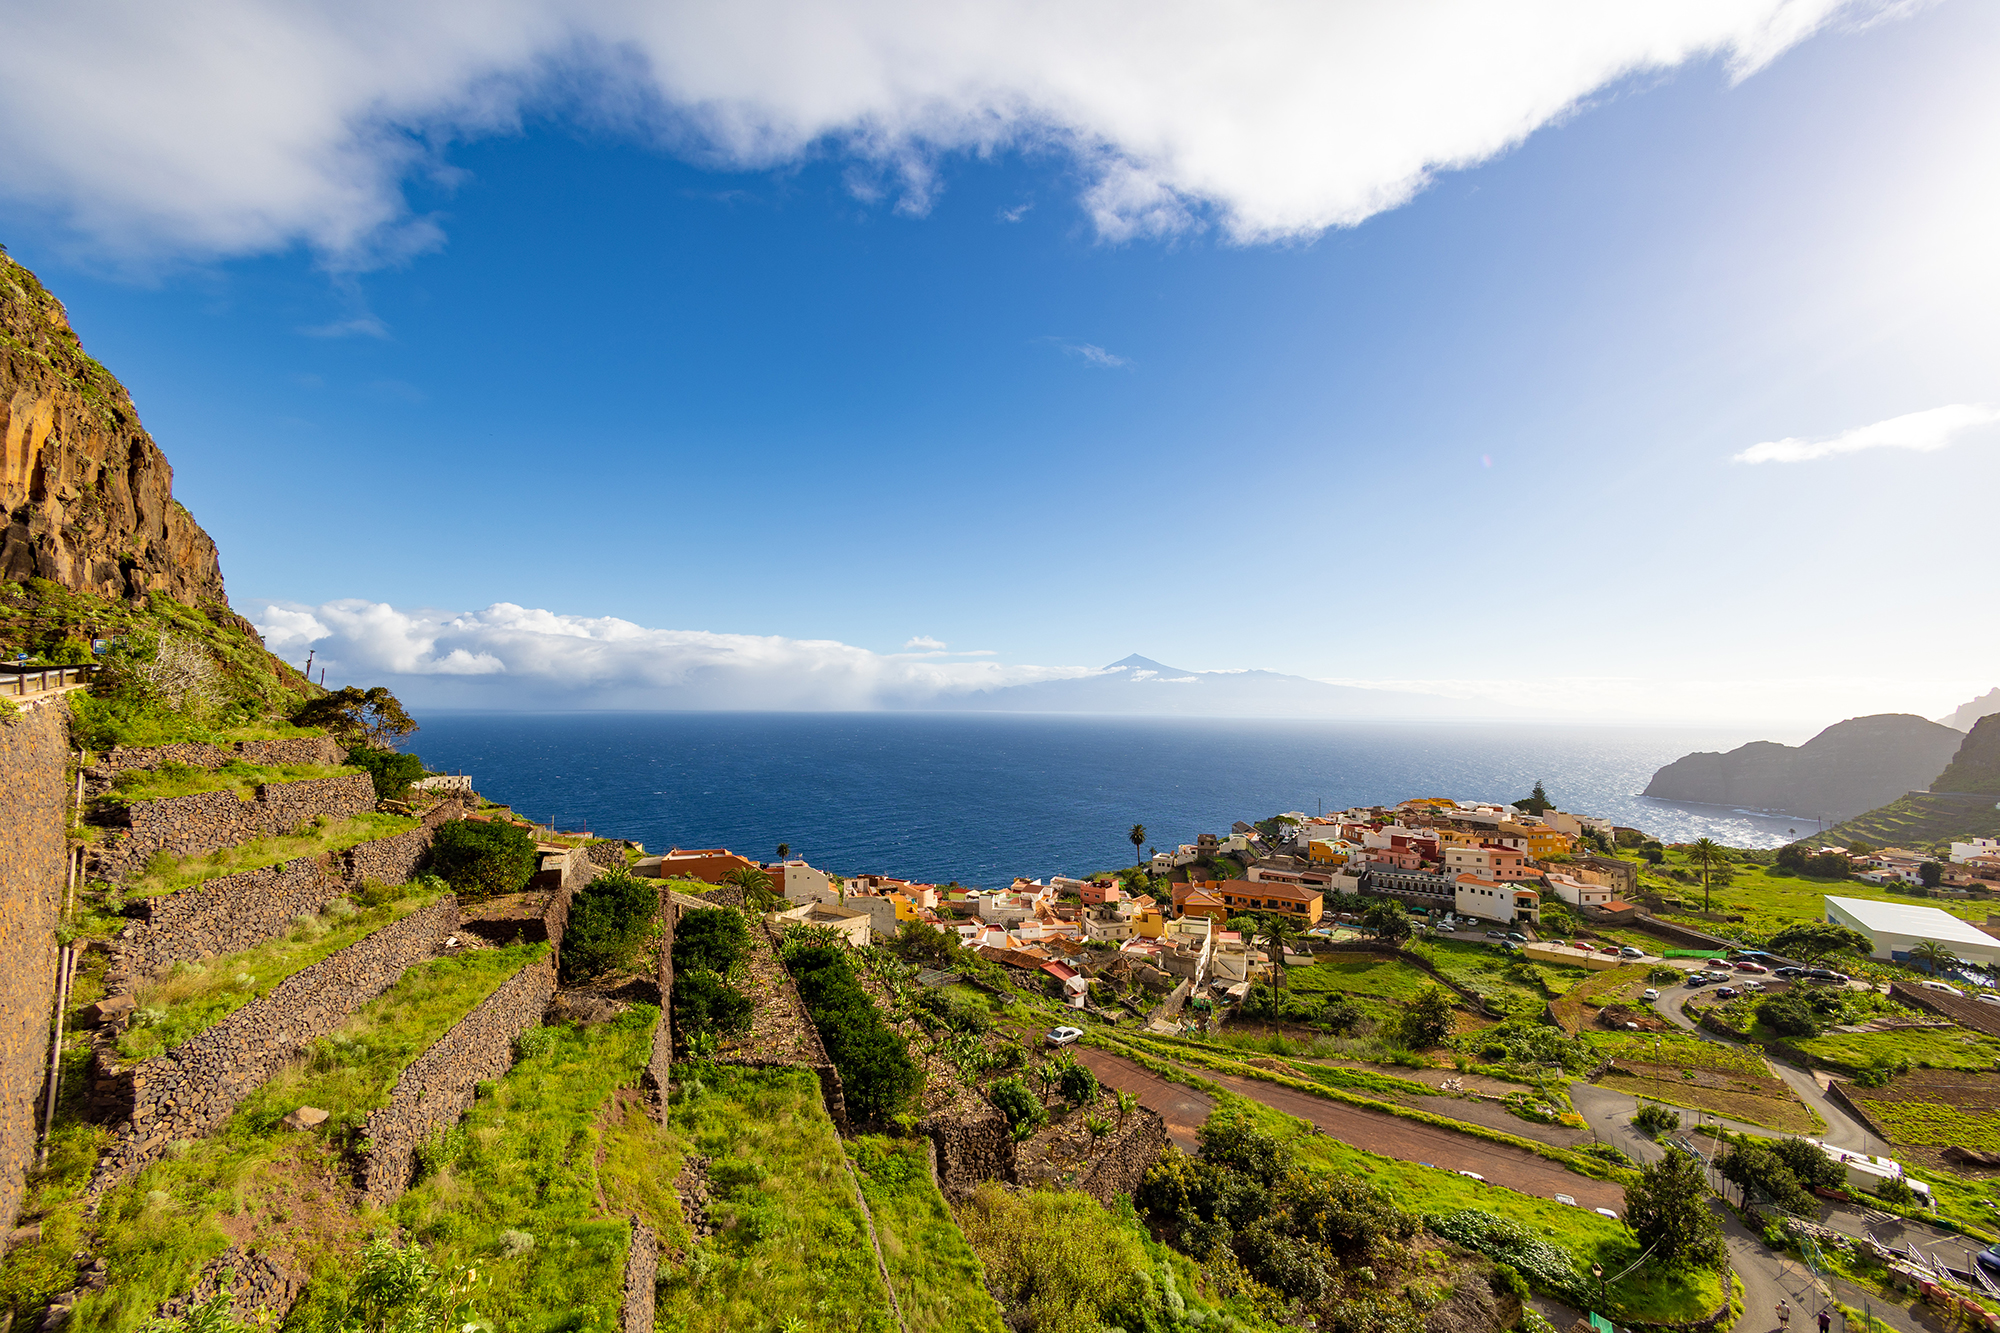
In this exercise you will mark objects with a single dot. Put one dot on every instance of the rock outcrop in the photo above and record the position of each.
(88, 496)
(1967, 715)
(1976, 766)
(1850, 767)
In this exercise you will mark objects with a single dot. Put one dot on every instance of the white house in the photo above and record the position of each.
(1962, 853)
(1578, 893)
(1897, 927)
(798, 882)
(1492, 900)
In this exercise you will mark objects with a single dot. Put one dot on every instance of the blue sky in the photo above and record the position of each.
(568, 400)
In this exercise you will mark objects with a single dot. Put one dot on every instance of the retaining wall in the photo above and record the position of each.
(34, 788)
(258, 1282)
(971, 1149)
(1120, 1167)
(660, 1063)
(208, 821)
(291, 750)
(642, 1269)
(439, 1085)
(1963, 1010)
(193, 1088)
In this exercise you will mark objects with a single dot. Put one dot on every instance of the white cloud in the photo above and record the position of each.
(1094, 355)
(926, 643)
(514, 655)
(215, 127)
(1921, 431)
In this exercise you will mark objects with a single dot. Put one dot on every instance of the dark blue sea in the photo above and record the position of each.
(980, 798)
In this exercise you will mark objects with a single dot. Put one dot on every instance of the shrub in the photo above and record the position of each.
(1790, 1015)
(711, 938)
(876, 1071)
(1655, 1120)
(483, 857)
(607, 922)
(1827, 865)
(1507, 1280)
(1076, 1083)
(704, 1002)
(1897, 1191)
(391, 771)
(1021, 1107)
(959, 1013)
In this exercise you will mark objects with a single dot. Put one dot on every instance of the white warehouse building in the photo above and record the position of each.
(1896, 927)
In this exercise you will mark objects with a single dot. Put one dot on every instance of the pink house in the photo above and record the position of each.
(1098, 893)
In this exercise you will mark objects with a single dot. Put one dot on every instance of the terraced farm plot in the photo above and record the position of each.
(170, 874)
(1730, 1081)
(937, 1277)
(1923, 1048)
(1577, 1010)
(1362, 974)
(790, 1240)
(154, 784)
(1935, 1108)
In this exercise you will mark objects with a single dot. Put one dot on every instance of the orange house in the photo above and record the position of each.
(707, 864)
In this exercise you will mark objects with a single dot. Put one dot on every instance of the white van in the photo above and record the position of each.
(1941, 987)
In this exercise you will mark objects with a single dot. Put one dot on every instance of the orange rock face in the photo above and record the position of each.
(87, 495)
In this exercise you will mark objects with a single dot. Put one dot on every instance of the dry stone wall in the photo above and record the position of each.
(660, 1063)
(971, 1149)
(193, 1088)
(194, 754)
(642, 1270)
(1120, 1167)
(439, 1085)
(34, 750)
(208, 821)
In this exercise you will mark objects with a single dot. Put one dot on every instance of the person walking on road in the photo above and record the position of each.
(1784, 1313)
(1825, 1322)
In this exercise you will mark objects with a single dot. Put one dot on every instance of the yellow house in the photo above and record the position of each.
(1330, 851)
(1149, 923)
(906, 910)
(1538, 840)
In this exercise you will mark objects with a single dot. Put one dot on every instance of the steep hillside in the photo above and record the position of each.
(1976, 766)
(88, 495)
(1966, 714)
(1850, 767)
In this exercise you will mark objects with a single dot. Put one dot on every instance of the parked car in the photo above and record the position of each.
(1607, 948)
(1750, 984)
(1629, 952)
(1699, 979)
(1565, 1198)
(1790, 972)
(1747, 966)
(1473, 1175)
(1941, 988)
(1826, 974)
(1649, 994)
(1606, 1212)
(1727, 993)
(1496, 934)
(1063, 1036)
(1517, 937)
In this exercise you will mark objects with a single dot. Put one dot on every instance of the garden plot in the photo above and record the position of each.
(253, 1182)
(1578, 1009)
(1909, 1047)
(1930, 1110)
(170, 874)
(1730, 1081)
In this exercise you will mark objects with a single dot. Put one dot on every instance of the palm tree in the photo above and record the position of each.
(1137, 837)
(1281, 933)
(1935, 957)
(1709, 853)
(1098, 1127)
(784, 851)
(1128, 1102)
(756, 886)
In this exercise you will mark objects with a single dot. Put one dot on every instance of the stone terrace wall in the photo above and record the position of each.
(1960, 1009)
(187, 1092)
(34, 749)
(389, 860)
(971, 1149)
(642, 1269)
(209, 821)
(292, 750)
(660, 1064)
(1121, 1166)
(606, 855)
(438, 1086)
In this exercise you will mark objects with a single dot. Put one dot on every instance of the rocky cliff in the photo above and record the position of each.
(1850, 767)
(88, 496)
(1967, 714)
(1976, 766)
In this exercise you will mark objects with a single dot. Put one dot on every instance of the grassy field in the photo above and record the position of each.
(171, 874)
(1577, 1009)
(937, 1278)
(196, 996)
(1647, 1295)
(1362, 974)
(1730, 1081)
(1923, 1048)
(790, 1242)
(153, 784)
(1936, 1108)
(255, 1181)
(513, 1190)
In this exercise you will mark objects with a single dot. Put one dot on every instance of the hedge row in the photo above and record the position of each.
(876, 1072)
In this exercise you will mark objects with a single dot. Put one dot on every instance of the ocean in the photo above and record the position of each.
(983, 798)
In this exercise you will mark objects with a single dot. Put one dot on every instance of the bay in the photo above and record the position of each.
(980, 799)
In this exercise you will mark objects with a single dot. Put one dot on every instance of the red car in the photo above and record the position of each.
(1752, 967)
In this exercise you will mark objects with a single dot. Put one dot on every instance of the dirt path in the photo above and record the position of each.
(1182, 1108)
(1375, 1131)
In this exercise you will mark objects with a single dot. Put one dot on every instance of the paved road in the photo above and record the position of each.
(1181, 1107)
(1374, 1131)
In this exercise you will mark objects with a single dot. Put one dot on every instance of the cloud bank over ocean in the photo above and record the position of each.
(1267, 121)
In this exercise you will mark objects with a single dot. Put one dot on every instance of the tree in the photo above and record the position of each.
(1667, 1209)
(1931, 874)
(1075, 1081)
(1810, 941)
(391, 772)
(756, 886)
(1128, 1102)
(606, 923)
(480, 858)
(1097, 1127)
(1935, 957)
(1386, 920)
(1536, 802)
(784, 851)
(1281, 932)
(1707, 853)
(1428, 1020)
(1792, 857)
(1137, 837)
(373, 716)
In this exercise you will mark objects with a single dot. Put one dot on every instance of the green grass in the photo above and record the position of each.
(171, 874)
(1647, 1295)
(1516, 985)
(524, 1161)
(1385, 978)
(254, 1178)
(1931, 1048)
(936, 1276)
(1676, 1049)
(791, 1243)
(1937, 1124)
(197, 996)
(1770, 898)
(168, 780)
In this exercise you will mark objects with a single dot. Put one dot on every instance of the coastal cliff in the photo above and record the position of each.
(1850, 767)
(1976, 766)
(88, 496)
